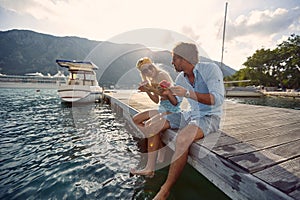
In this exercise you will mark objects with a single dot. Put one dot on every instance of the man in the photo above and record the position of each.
(202, 85)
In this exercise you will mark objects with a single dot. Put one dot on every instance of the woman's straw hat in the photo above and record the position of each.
(142, 61)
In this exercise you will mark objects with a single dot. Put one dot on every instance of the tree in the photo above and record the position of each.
(280, 66)
(289, 52)
(261, 67)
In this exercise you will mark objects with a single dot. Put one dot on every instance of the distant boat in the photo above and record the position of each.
(82, 85)
(35, 74)
(32, 80)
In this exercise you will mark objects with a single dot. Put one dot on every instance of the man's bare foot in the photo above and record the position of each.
(162, 194)
(143, 172)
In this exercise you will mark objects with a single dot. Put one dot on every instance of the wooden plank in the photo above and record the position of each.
(258, 135)
(295, 194)
(256, 144)
(289, 135)
(254, 110)
(212, 140)
(259, 160)
(246, 110)
(232, 180)
(258, 122)
(267, 121)
(140, 101)
(285, 176)
(237, 107)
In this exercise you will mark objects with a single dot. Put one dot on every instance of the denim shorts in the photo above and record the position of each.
(167, 106)
(208, 124)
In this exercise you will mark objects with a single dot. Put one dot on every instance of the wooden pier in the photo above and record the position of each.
(255, 155)
(291, 94)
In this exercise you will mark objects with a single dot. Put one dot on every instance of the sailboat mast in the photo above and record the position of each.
(224, 34)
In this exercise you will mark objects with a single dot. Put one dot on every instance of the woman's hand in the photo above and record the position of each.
(143, 86)
(144, 83)
(165, 92)
(168, 94)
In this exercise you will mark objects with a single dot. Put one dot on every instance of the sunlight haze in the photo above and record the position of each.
(251, 25)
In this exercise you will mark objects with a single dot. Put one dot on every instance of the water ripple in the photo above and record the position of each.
(50, 151)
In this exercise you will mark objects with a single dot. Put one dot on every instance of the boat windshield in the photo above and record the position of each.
(82, 78)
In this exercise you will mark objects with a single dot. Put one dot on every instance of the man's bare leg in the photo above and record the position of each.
(183, 142)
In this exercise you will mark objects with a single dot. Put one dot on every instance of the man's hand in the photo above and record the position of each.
(178, 90)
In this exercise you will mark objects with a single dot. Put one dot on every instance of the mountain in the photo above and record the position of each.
(24, 51)
(227, 71)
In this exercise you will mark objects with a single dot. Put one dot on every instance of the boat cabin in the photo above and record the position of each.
(81, 73)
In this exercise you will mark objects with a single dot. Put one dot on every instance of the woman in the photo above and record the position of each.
(152, 76)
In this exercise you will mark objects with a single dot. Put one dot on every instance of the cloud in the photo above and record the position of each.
(264, 23)
(188, 31)
(38, 10)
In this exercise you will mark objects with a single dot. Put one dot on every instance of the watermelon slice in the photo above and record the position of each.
(165, 84)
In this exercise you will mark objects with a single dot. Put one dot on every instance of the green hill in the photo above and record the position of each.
(25, 51)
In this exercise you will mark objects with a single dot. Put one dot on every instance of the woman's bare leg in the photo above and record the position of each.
(153, 129)
(152, 146)
(161, 153)
(141, 117)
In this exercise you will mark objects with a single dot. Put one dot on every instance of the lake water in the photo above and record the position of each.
(52, 151)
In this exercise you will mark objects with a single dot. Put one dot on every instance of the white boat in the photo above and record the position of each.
(82, 85)
(32, 80)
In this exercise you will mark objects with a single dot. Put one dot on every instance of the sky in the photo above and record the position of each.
(250, 24)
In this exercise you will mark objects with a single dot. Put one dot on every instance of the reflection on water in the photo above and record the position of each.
(280, 102)
(52, 151)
